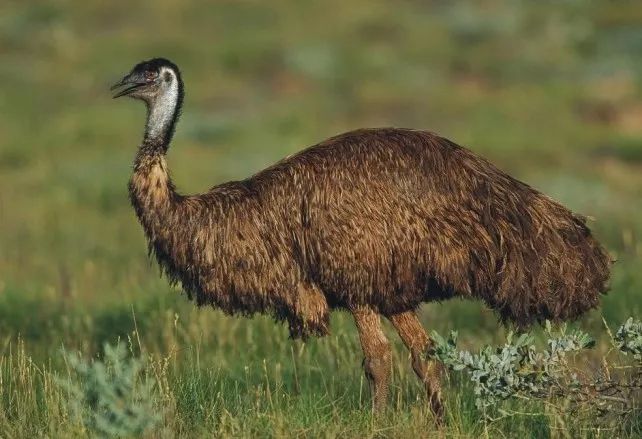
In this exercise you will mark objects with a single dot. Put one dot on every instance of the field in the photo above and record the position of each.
(549, 91)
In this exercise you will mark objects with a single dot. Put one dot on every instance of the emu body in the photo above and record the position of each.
(374, 221)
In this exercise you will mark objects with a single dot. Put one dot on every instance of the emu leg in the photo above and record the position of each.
(417, 341)
(377, 357)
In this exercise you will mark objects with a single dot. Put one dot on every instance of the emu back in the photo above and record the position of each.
(393, 218)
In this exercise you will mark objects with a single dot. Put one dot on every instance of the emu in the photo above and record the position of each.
(373, 221)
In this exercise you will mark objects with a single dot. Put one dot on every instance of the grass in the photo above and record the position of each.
(218, 375)
(551, 93)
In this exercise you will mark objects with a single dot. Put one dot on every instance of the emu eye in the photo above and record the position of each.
(150, 75)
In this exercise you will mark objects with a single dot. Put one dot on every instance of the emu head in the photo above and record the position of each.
(158, 83)
(149, 81)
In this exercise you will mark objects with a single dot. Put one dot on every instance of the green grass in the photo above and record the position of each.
(234, 377)
(549, 92)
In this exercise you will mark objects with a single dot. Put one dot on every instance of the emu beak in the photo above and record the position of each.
(130, 83)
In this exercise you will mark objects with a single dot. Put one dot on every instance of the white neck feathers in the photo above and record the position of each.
(161, 110)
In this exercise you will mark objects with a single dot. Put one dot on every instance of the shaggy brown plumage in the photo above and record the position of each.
(379, 220)
(385, 217)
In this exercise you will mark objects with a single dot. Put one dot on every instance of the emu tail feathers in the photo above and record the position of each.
(552, 267)
(527, 256)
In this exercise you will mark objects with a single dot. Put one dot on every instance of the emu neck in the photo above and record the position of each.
(151, 190)
(152, 194)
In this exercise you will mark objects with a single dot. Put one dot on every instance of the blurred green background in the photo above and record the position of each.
(550, 91)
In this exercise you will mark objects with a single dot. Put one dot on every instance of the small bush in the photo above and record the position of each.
(112, 398)
(520, 369)
(628, 338)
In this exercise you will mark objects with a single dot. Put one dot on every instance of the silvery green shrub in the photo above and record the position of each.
(111, 397)
(520, 368)
(628, 338)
